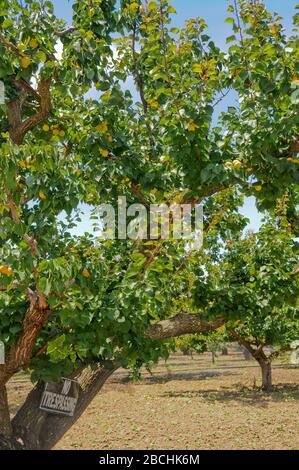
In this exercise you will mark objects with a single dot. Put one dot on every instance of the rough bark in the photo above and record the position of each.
(19, 128)
(37, 429)
(266, 369)
(9, 443)
(182, 324)
(20, 355)
(5, 424)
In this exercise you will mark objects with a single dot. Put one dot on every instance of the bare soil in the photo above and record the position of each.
(188, 404)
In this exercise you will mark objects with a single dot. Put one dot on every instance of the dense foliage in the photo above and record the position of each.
(73, 133)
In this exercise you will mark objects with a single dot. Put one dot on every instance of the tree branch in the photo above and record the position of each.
(31, 242)
(20, 354)
(67, 31)
(9, 44)
(182, 324)
(21, 84)
(18, 128)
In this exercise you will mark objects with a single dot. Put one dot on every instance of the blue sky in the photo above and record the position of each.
(214, 13)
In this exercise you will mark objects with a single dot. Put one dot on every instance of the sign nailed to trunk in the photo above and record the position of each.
(60, 398)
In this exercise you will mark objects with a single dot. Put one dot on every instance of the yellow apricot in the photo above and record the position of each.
(105, 153)
(26, 61)
(6, 270)
(192, 127)
(102, 127)
(237, 164)
(33, 43)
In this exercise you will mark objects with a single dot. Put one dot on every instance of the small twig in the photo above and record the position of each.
(239, 21)
(67, 31)
(223, 95)
(9, 44)
(31, 242)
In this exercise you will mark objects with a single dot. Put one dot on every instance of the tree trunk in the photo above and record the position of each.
(5, 424)
(7, 440)
(259, 355)
(41, 430)
(266, 374)
(9, 444)
(35, 429)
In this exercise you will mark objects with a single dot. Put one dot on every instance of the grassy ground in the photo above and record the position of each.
(189, 404)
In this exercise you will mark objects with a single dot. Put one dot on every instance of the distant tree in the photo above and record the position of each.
(257, 290)
(212, 342)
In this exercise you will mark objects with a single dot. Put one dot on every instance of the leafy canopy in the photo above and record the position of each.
(73, 133)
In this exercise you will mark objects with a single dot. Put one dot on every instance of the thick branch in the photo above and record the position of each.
(257, 353)
(18, 128)
(183, 324)
(67, 31)
(21, 84)
(20, 355)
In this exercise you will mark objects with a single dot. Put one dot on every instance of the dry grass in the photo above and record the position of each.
(190, 404)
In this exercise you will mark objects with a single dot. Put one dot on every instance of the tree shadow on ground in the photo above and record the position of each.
(246, 396)
(171, 376)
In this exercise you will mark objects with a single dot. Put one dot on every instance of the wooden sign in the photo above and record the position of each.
(60, 398)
